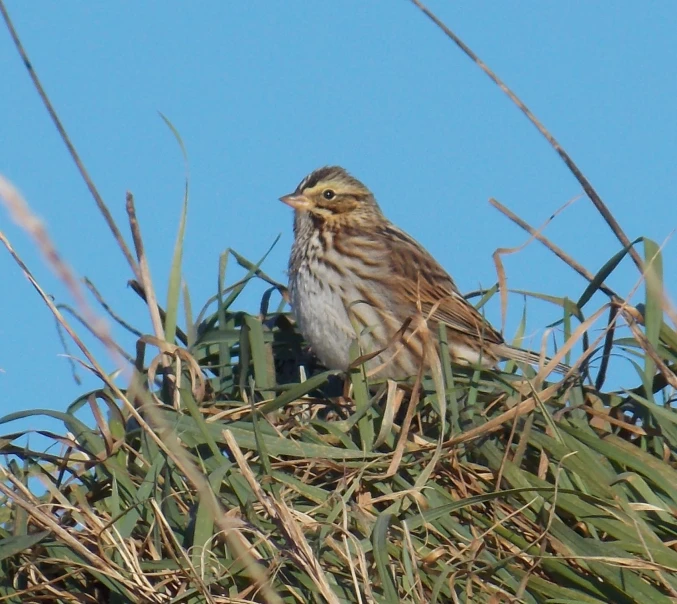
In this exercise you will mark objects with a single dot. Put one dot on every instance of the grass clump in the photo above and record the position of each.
(218, 475)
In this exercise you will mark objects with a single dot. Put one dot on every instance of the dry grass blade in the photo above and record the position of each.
(103, 208)
(587, 187)
(500, 270)
(278, 510)
(560, 253)
(144, 269)
(23, 216)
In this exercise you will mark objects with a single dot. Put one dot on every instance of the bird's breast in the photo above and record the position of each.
(319, 309)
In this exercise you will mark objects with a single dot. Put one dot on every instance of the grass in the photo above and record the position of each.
(232, 467)
(262, 487)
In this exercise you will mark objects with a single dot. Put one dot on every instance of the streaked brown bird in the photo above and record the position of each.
(355, 275)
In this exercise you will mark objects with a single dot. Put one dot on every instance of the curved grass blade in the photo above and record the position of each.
(174, 289)
(379, 540)
(653, 309)
(604, 273)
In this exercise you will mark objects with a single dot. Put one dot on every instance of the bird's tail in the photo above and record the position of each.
(508, 352)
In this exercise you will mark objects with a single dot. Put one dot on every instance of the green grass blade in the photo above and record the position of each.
(174, 289)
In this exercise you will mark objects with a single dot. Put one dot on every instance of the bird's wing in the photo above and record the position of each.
(421, 280)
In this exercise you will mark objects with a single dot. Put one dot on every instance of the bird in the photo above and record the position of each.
(354, 275)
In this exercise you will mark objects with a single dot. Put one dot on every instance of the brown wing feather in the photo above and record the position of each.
(421, 278)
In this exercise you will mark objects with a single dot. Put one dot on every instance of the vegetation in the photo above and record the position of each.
(232, 468)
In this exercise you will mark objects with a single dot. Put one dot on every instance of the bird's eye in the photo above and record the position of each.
(328, 194)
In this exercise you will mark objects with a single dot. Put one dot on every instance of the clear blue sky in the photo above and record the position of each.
(264, 92)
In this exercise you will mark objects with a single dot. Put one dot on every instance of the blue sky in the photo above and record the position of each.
(264, 92)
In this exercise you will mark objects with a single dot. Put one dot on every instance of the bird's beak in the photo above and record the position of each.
(298, 202)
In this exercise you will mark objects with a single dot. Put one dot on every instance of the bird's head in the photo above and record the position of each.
(330, 193)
